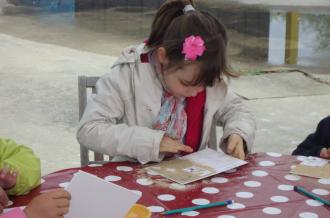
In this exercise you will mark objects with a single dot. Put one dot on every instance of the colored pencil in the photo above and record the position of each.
(198, 207)
(311, 195)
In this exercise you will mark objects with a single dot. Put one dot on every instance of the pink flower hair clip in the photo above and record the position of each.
(193, 46)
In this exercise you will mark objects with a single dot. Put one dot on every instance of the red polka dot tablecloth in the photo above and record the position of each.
(262, 188)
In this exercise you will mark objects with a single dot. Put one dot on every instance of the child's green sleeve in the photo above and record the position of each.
(21, 159)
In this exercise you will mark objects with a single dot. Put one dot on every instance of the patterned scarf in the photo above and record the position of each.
(172, 117)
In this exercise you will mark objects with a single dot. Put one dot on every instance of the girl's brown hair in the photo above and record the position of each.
(170, 28)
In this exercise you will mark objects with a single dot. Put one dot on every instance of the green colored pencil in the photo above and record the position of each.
(186, 209)
(311, 195)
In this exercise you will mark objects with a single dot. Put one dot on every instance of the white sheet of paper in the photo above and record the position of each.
(218, 160)
(92, 196)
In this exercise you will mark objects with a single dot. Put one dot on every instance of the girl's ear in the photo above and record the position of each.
(161, 56)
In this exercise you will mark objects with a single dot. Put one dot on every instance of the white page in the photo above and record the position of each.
(218, 160)
(315, 162)
(95, 197)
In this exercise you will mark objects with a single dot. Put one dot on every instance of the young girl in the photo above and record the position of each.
(167, 94)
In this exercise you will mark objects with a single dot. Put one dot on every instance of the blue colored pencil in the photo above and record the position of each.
(186, 209)
(311, 195)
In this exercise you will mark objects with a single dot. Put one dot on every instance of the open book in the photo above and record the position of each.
(196, 166)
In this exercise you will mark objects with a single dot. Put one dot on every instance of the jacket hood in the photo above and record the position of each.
(131, 54)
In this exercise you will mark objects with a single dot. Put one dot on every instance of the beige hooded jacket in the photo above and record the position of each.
(118, 118)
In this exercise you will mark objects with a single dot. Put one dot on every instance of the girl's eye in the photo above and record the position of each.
(185, 83)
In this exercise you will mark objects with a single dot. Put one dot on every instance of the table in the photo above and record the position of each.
(262, 188)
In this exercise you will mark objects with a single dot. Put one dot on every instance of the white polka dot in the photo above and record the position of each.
(279, 199)
(266, 163)
(152, 173)
(302, 158)
(313, 203)
(235, 206)
(190, 213)
(273, 154)
(308, 215)
(124, 168)
(292, 177)
(177, 186)
(219, 180)
(285, 187)
(166, 197)
(231, 171)
(244, 194)
(95, 165)
(210, 190)
(170, 169)
(200, 201)
(112, 178)
(320, 191)
(144, 181)
(324, 181)
(64, 184)
(271, 210)
(156, 209)
(226, 216)
(137, 192)
(10, 203)
(252, 184)
(42, 181)
(259, 173)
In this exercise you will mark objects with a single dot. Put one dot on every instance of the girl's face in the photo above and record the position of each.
(179, 81)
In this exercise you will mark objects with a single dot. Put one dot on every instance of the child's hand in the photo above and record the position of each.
(49, 205)
(3, 200)
(235, 146)
(7, 178)
(325, 153)
(169, 145)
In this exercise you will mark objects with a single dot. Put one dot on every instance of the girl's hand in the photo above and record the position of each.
(325, 153)
(3, 200)
(52, 204)
(235, 146)
(170, 145)
(7, 178)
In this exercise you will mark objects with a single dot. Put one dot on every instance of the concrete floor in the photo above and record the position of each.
(39, 66)
(39, 105)
(288, 107)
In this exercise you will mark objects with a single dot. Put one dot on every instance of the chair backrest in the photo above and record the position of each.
(85, 83)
